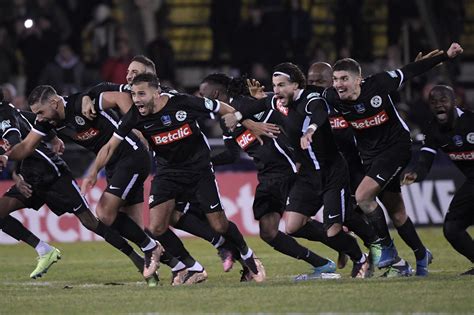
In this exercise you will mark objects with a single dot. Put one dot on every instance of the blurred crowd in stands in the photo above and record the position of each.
(73, 44)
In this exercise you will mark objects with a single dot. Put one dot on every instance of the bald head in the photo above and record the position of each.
(442, 104)
(320, 74)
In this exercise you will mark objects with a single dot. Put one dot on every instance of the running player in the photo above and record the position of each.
(451, 131)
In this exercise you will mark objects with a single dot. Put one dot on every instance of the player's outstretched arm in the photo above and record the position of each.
(106, 100)
(103, 156)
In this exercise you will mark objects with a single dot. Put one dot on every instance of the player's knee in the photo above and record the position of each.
(220, 226)
(158, 228)
(333, 229)
(268, 234)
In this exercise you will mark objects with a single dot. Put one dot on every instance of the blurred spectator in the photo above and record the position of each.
(161, 53)
(9, 92)
(223, 20)
(56, 15)
(8, 62)
(300, 32)
(352, 37)
(99, 36)
(38, 44)
(115, 68)
(65, 73)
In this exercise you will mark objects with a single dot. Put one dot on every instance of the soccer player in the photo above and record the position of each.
(451, 131)
(320, 74)
(276, 168)
(44, 178)
(383, 141)
(323, 175)
(125, 177)
(187, 221)
(168, 122)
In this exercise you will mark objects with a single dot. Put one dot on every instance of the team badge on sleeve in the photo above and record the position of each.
(208, 103)
(181, 115)
(5, 125)
(376, 101)
(470, 137)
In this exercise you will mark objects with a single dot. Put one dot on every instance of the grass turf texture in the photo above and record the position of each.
(95, 278)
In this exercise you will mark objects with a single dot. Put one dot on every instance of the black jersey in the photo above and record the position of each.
(91, 134)
(43, 165)
(374, 120)
(173, 133)
(457, 143)
(308, 108)
(275, 157)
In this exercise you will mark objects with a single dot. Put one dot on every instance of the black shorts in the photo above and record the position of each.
(386, 167)
(462, 205)
(175, 184)
(62, 196)
(271, 195)
(126, 176)
(328, 188)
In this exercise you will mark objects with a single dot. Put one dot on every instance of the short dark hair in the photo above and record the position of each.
(444, 88)
(293, 71)
(218, 79)
(149, 78)
(40, 94)
(347, 64)
(147, 62)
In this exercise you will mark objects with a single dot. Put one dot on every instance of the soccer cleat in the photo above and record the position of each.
(177, 277)
(45, 261)
(388, 255)
(153, 280)
(398, 271)
(193, 277)
(342, 260)
(260, 276)
(470, 272)
(375, 250)
(227, 258)
(245, 275)
(326, 271)
(422, 264)
(152, 260)
(361, 270)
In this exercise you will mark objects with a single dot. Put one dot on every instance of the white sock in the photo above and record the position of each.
(248, 255)
(150, 245)
(43, 248)
(196, 267)
(179, 266)
(362, 259)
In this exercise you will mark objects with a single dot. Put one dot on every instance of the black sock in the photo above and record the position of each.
(113, 238)
(193, 225)
(357, 224)
(18, 231)
(377, 220)
(289, 246)
(130, 230)
(175, 247)
(456, 234)
(408, 234)
(312, 230)
(168, 259)
(137, 260)
(234, 236)
(346, 244)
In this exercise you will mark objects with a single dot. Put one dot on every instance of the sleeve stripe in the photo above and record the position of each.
(401, 77)
(12, 129)
(428, 150)
(38, 132)
(118, 136)
(218, 107)
(100, 102)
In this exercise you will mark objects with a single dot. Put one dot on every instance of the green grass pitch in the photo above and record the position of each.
(93, 278)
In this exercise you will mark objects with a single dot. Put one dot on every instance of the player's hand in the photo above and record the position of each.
(142, 139)
(408, 178)
(306, 139)
(255, 89)
(454, 50)
(88, 182)
(88, 109)
(260, 129)
(23, 187)
(432, 53)
(57, 146)
(230, 121)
